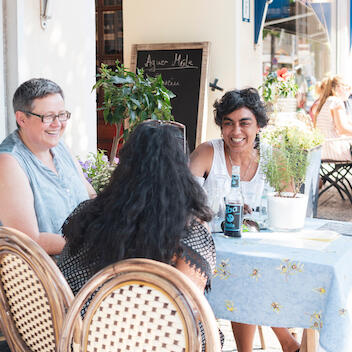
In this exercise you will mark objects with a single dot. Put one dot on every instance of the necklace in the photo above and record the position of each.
(245, 174)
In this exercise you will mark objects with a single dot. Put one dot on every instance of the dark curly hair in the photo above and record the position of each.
(237, 99)
(144, 210)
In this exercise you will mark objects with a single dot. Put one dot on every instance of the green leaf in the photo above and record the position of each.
(131, 95)
(121, 80)
(136, 102)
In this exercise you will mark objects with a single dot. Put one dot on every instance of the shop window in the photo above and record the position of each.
(297, 35)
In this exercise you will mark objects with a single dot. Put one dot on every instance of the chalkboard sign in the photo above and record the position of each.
(183, 68)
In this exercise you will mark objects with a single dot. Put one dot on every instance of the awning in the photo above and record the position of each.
(282, 15)
(259, 17)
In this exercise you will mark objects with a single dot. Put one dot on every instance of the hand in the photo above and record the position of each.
(247, 209)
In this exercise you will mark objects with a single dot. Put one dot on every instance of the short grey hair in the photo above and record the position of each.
(32, 89)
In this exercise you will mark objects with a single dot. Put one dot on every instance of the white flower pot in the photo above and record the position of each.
(287, 213)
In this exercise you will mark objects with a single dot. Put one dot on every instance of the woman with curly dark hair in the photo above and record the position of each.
(240, 114)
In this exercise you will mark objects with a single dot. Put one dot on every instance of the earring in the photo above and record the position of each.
(257, 141)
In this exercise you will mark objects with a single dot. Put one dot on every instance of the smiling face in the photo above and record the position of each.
(39, 136)
(239, 129)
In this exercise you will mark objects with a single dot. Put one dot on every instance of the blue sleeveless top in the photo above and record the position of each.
(55, 195)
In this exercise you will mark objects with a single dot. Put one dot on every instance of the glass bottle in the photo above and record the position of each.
(234, 206)
(264, 208)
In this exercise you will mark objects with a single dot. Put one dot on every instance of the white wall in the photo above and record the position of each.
(64, 53)
(232, 58)
(2, 79)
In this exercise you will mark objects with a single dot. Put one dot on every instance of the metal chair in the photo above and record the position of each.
(336, 174)
(141, 305)
(34, 295)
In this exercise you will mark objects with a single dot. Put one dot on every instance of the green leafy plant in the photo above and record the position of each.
(284, 161)
(276, 84)
(130, 98)
(97, 169)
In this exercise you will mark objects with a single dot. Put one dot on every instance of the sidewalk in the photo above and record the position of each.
(331, 206)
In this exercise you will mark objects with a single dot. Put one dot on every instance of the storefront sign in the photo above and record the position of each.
(183, 68)
(245, 11)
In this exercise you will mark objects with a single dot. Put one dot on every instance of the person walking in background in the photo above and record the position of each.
(40, 182)
(332, 120)
(240, 114)
(302, 88)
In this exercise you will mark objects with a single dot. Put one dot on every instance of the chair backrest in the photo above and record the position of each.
(141, 305)
(34, 295)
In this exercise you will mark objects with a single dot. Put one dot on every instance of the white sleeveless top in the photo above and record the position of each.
(252, 190)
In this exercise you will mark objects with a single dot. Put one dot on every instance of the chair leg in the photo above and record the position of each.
(261, 337)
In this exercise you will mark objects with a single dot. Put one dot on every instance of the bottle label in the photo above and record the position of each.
(235, 181)
(233, 218)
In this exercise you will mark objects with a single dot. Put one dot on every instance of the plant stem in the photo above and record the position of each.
(115, 142)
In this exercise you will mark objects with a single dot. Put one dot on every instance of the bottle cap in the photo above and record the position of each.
(235, 170)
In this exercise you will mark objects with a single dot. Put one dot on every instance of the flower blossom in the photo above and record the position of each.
(282, 74)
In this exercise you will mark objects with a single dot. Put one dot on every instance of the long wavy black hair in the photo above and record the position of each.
(144, 210)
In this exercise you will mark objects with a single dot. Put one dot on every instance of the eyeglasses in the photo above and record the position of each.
(179, 125)
(49, 118)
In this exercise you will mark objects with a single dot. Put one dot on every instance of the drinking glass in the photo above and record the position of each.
(217, 202)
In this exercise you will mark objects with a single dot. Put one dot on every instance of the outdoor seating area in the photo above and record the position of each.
(176, 176)
(24, 269)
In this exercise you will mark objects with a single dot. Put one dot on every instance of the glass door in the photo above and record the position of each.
(109, 48)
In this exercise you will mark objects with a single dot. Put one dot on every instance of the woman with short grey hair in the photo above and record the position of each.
(40, 182)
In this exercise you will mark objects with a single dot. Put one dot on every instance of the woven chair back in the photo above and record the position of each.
(34, 295)
(140, 305)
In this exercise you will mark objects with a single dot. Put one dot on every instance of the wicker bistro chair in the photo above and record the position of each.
(34, 295)
(141, 305)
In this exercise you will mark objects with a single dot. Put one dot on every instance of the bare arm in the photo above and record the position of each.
(201, 160)
(343, 126)
(17, 205)
(195, 275)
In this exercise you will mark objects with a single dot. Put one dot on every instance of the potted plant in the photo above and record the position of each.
(97, 169)
(285, 161)
(130, 98)
(278, 87)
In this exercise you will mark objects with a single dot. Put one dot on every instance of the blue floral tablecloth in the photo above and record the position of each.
(299, 279)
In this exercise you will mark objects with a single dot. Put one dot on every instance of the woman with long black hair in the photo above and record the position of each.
(152, 208)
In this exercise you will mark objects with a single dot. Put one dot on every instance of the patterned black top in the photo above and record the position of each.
(197, 249)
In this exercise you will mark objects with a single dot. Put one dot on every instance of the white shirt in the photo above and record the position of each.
(252, 190)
